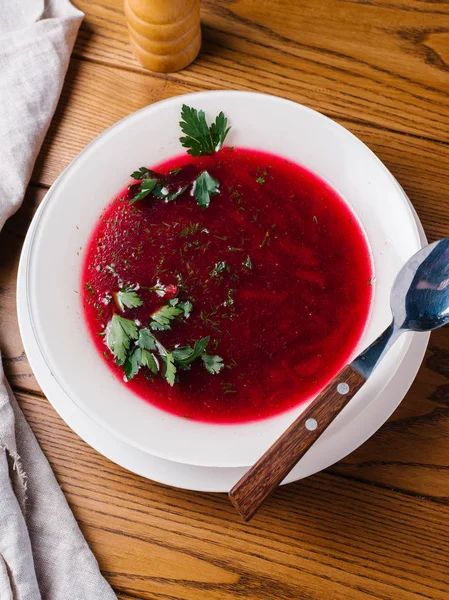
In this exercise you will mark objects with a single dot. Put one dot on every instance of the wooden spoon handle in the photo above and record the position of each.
(249, 493)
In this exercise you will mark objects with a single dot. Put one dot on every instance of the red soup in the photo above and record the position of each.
(277, 270)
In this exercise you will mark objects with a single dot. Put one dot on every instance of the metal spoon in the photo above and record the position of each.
(419, 302)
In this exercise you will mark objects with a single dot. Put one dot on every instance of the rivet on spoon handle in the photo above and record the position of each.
(269, 471)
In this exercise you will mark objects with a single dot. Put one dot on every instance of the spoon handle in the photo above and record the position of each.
(250, 492)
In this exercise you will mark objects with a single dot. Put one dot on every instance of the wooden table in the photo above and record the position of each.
(375, 525)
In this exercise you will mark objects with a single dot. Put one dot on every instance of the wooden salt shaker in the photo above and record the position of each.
(165, 34)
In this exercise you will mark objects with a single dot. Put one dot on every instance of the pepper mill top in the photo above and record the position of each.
(165, 35)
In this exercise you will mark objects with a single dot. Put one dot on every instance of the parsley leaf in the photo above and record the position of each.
(134, 348)
(186, 307)
(127, 298)
(146, 339)
(200, 138)
(200, 346)
(161, 319)
(170, 368)
(183, 354)
(187, 354)
(140, 358)
(175, 195)
(145, 188)
(160, 190)
(132, 364)
(213, 363)
(143, 173)
(119, 334)
(204, 187)
(219, 131)
(150, 361)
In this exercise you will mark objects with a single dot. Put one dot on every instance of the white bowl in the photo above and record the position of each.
(325, 452)
(151, 135)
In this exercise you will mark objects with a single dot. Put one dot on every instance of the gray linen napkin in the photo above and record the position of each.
(43, 554)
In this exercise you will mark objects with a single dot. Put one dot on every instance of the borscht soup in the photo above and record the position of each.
(226, 285)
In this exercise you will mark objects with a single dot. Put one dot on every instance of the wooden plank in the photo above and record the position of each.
(321, 538)
(90, 103)
(372, 61)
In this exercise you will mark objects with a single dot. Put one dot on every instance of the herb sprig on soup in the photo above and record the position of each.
(226, 284)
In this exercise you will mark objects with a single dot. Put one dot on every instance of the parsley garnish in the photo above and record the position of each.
(145, 188)
(146, 339)
(213, 363)
(170, 368)
(175, 195)
(200, 138)
(127, 298)
(140, 358)
(186, 308)
(150, 361)
(204, 187)
(161, 191)
(132, 364)
(120, 333)
(186, 355)
(142, 173)
(161, 319)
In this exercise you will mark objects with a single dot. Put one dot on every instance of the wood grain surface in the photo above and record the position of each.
(376, 525)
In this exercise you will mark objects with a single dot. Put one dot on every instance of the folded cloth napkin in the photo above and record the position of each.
(43, 554)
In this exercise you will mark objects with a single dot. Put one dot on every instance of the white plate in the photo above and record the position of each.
(76, 200)
(210, 479)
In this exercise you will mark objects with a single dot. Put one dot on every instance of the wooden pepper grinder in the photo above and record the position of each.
(165, 34)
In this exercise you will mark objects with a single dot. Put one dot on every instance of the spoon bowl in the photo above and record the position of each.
(427, 299)
(419, 302)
